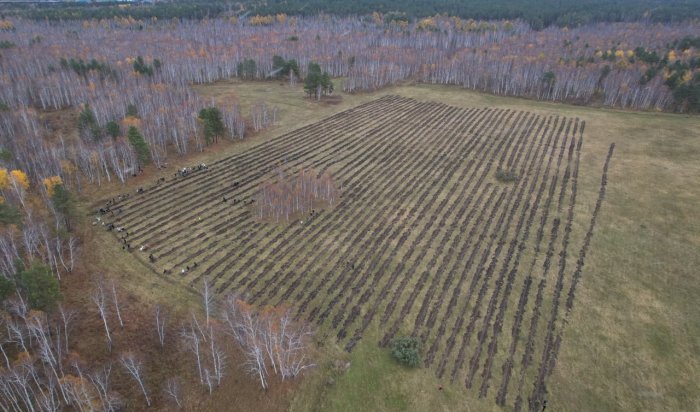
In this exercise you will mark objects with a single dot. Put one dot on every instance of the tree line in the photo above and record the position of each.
(538, 13)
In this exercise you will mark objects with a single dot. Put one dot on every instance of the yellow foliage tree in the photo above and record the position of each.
(687, 76)
(4, 178)
(427, 23)
(6, 25)
(672, 56)
(51, 182)
(20, 178)
(281, 18)
(258, 20)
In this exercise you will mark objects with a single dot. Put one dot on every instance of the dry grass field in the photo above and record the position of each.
(427, 242)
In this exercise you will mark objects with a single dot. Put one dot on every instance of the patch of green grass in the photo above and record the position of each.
(374, 381)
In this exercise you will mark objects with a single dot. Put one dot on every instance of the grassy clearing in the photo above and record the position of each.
(375, 381)
(634, 336)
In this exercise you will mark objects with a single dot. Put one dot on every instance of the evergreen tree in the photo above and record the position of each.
(39, 285)
(247, 69)
(64, 203)
(213, 124)
(139, 144)
(87, 124)
(112, 129)
(316, 82)
(132, 111)
(140, 66)
(7, 288)
(9, 215)
(279, 66)
(292, 67)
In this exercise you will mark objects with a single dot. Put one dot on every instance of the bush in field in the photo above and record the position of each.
(406, 350)
(506, 176)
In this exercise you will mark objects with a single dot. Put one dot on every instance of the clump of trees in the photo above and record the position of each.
(285, 68)
(141, 67)
(43, 370)
(317, 83)
(271, 341)
(83, 68)
(290, 196)
(214, 127)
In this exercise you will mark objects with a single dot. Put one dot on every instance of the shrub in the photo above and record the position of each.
(506, 176)
(406, 350)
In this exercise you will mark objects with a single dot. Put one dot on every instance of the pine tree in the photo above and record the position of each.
(39, 285)
(112, 129)
(213, 124)
(64, 203)
(139, 144)
(316, 82)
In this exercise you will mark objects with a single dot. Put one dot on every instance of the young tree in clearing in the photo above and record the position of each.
(207, 298)
(139, 144)
(160, 325)
(115, 300)
(99, 298)
(173, 390)
(135, 368)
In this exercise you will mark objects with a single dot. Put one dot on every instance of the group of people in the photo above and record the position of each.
(187, 170)
(182, 271)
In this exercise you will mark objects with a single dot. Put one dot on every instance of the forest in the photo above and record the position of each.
(134, 103)
(538, 13)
